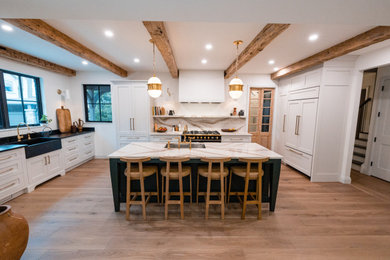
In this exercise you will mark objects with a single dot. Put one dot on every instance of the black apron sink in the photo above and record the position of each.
(40, 145)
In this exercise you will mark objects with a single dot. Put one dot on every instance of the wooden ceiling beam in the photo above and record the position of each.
(160, 37)
(375, 35)
(15, 55)
(45, 31)
(262, 39)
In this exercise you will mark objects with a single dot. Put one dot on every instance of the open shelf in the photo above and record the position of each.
(200, 117)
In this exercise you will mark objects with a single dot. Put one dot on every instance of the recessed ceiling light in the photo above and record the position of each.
(208, 46)
(204, 61)
(108, 33)
(313, 37)
(84, 62)
(7, 28)
(136, 60)
(270, 62)
(276, 69)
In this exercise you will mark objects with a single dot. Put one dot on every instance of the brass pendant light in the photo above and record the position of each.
(236, 85)
(154, 83)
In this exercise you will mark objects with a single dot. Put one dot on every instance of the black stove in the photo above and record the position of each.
(201, 136)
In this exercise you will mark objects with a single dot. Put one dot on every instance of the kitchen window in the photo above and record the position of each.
(97, 102)
(20, 97)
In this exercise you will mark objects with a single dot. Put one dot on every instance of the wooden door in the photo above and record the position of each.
(381, 149)
(260, 115)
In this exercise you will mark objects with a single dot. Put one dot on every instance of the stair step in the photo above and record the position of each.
(359, 154)
(359, 150)
(357, 162)
(356, 167)
(358, 159)
(361, 142)
(363, 135)
(360, 146)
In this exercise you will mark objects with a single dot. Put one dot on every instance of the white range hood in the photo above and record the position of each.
(201, 86)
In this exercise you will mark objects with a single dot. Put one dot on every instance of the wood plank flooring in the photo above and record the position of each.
(72, 217)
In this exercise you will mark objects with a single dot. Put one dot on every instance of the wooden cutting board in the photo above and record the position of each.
(64, 120)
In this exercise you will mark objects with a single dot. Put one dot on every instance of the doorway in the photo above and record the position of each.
(261, 103)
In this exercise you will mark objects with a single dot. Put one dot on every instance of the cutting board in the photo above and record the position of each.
(64, 120)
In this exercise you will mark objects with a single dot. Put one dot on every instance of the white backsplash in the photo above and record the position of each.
(203, 123)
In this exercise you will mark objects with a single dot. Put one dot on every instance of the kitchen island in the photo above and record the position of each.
(155, 150)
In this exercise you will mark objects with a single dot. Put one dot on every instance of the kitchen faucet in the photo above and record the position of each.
(28, 131)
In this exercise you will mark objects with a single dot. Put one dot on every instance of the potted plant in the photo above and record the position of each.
(45, 120)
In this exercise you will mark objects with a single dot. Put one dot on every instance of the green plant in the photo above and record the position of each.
(45, 119)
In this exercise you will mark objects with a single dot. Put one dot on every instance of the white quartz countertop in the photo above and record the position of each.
(168, 133)
(233, 150)
(235, 133)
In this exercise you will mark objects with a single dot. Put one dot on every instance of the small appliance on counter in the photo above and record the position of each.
(241, 113)
(171, 113)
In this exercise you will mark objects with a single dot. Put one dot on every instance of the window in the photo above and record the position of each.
(97, 101)
(20, 97)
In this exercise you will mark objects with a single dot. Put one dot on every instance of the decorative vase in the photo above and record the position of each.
(13, 233)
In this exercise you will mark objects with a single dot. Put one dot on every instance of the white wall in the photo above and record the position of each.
(50, 82)
(105, 136)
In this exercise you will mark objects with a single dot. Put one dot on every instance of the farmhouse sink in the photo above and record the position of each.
(186, 145)
(40, 145)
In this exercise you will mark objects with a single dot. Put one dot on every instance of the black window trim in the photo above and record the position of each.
(3, 98)
(100, 105)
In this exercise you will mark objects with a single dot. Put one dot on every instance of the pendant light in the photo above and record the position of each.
(154, 83)
(236, 85)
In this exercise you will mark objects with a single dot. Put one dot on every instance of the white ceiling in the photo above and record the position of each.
(368, 12)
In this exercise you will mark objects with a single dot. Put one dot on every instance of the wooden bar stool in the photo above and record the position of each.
(175, 173)
(138, 172)
(213, 173)
(249, 172)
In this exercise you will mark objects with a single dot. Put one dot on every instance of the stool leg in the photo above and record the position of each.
(181, 197)
(226, 190)
(208, 196)
(143, 196)
(163, 189)
(158, 188)
(190, 189)
(245, 197)
(197, 189)
(222, 198)
(128, 198)
(259, 185)
(166, 195)
(230, 186)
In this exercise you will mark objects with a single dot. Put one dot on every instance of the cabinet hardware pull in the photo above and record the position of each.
(88, 143)
(130, 125)
(49, 158)
(8, 186)
(8, 170)
(88, 152)
(45, 160)
(6, 158)
(71, 149)
(133, 123)
(295, 152)
(299, 122)
(284, 123)
(71, 141)
(74, 158)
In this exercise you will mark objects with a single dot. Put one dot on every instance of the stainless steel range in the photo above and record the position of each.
(201, 136)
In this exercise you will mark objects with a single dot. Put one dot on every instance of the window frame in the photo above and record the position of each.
(4, 116)
(85, 86)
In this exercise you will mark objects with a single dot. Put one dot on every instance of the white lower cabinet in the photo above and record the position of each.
(13, 177)
(164, 138)
(77, 149)
(236, 138)
(43, 167)
(298, 160)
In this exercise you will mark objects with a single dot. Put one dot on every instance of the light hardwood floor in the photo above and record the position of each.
(72, 217)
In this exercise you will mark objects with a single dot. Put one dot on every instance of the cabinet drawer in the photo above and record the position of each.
(11, 168)
(86, 137)
(72, 160)
(298, 160)
(236, 139)
(164, 138)
(88, 153)
(11, 185)
(12, 155)
(304, 94)
(69, 141)
(132, 138)
(71, 149)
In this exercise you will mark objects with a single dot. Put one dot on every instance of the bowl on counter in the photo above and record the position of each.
(229, 130)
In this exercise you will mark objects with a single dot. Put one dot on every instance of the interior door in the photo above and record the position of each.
(124, 105)
(260, 115)
(306, 125)
(294, 109)
(140, 109)
(381, 154)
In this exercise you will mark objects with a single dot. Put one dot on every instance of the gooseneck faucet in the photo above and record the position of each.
(28, 131)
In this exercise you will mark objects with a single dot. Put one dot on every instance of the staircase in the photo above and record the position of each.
(359, 151)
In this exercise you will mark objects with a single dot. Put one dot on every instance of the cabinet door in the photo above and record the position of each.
(54, 163)
(281, 124)
(124, 107)
(36, 169)
(306, 125)
(140, 109)
(294, 110)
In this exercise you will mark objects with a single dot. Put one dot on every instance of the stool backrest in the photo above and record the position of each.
(249, 161)
(177, 160)
(219, 160)
(130, 160)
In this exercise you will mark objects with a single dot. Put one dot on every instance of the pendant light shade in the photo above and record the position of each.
(154, 83)
(236, 85)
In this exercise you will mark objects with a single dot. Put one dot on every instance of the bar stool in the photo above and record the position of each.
(175, 173)
(138, 172)
(213, 173)
(249, 173)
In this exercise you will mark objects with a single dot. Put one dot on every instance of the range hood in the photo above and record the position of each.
(201, 86)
